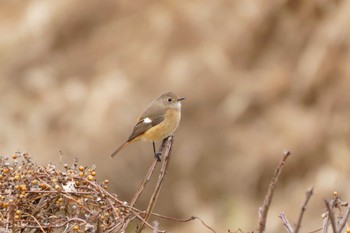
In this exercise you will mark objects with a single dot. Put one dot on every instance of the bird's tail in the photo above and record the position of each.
(119, 149)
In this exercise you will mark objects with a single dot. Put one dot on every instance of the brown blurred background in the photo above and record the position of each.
(259, 76)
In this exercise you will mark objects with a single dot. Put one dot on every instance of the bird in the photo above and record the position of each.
(158, 121)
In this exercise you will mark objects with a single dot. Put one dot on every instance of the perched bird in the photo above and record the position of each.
(158, 121)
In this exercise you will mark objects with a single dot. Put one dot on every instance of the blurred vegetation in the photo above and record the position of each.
(258, 77)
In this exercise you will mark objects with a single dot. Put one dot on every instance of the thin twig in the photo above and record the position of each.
(344, 220)
(144, 183)
(286, 223)
(145, 222)
(325, 224)
(185, 220)
(37, 222)
(147, 178)
(167, 151)
(331, 216)
(308, 195)
(263, 211)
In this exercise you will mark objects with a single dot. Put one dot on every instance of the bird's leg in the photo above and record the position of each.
(156, 154)
(162, 145)
(159, 153)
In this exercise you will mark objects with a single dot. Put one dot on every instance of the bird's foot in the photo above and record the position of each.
(157, 156)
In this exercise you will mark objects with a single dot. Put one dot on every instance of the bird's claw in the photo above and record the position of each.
(157, 155)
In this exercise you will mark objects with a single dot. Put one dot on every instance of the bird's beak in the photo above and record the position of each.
(180, 98)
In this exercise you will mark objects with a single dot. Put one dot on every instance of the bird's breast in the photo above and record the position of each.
(165, 128)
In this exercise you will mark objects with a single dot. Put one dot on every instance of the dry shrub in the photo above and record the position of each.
(45, 198)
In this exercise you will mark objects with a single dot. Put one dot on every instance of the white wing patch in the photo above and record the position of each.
(147, 120)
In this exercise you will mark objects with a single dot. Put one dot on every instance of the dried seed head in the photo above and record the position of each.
(23, 187)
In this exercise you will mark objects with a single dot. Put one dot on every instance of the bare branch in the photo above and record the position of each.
(263, 211)
(325, 224)
(286, 223)
(168, 142)
(144, 183)
(185, 220)
(308, 195)
(331, 216)
(344, 220)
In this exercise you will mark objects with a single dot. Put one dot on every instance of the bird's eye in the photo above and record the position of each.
(170, 99)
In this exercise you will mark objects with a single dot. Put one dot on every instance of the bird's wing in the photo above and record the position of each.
(144, 124)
